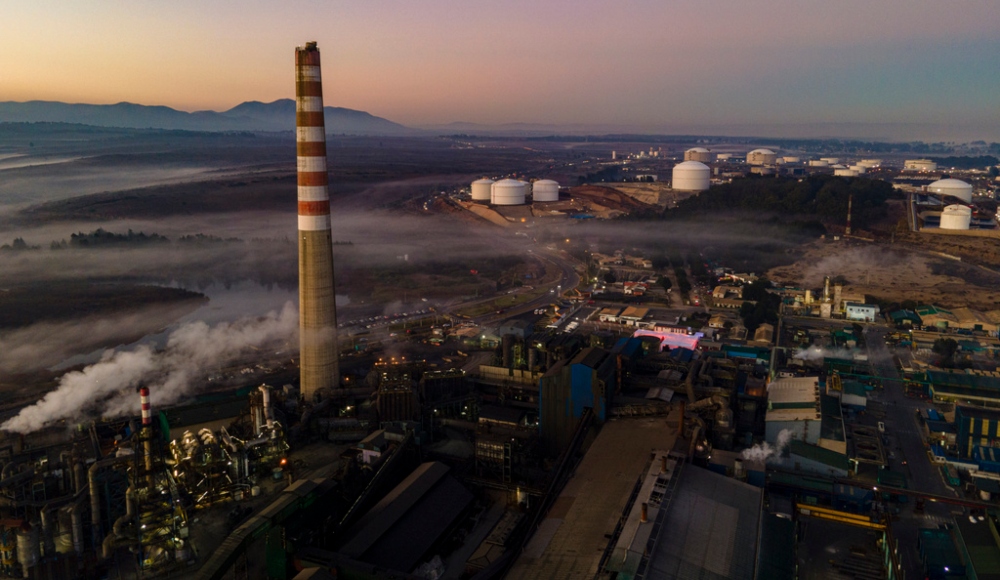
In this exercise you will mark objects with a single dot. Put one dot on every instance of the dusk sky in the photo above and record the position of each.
(656, 63)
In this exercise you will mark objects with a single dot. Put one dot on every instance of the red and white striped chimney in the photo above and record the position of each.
(147, 416)
(310, 128)
(319, 365)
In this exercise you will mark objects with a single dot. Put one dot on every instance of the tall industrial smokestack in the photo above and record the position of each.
(850, 200)
(147, 434)
(320, 369)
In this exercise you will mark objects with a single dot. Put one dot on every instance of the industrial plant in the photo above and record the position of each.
(596, 391)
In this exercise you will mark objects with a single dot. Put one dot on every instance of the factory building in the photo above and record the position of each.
(793, 405)
(508, 192)
(544, 190)
(861, 312)
(691, 176)
(481, 189)
(699, 154)
(404, 526)
(570, 387)
(762, 157)
(976, 427)
(922, 165)
(953, 187)
(320, 369)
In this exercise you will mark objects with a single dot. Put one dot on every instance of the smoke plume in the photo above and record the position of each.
(192, 351)
(764, 452)
(818, 353)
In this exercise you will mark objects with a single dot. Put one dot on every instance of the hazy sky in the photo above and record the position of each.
(418, 62)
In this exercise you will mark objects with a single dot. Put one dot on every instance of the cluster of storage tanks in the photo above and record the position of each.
(514, 191)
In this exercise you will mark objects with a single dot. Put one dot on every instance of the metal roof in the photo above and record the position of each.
(711, 530)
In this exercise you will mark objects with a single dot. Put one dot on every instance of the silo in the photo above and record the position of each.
(956, 217)
(699, 154)
(691, 176)
(545, 190)
(761, 157)
(481, 189)
(953, 187)
(508, 192)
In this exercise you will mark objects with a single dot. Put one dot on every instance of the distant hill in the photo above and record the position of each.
(248, 116)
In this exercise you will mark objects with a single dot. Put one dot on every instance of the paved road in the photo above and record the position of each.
(907, 442)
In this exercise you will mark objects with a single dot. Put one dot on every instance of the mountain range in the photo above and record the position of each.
(249, 116)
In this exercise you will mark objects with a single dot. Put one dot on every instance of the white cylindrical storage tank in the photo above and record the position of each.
(818, 163)
(860, 169)
(699, 154)
(761, 157)
(870, 163)
(787, 159)
(830, 160)
(691, 176)
(919, 165)
(724, 156)
(953, 187)
(481, 189)
(508, 192)
(844, 172)
(544, 190)
(956, 217)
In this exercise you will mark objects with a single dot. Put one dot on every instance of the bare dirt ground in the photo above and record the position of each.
(894, 274)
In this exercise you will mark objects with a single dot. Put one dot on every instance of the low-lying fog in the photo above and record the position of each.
(33, 180)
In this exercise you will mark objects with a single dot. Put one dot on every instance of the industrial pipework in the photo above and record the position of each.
(319, 366)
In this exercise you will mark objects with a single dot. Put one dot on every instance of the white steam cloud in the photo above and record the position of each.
(818, 353)
(192, 351)
(764, 452)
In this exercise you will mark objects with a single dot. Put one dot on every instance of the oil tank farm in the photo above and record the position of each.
(699, 154)
(508, 192)
(956, 217)
(761, 157)
(545, 190)
(481, 189)
(953, 187)
(691, 176)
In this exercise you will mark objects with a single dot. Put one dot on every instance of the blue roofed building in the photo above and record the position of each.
(569, 387)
